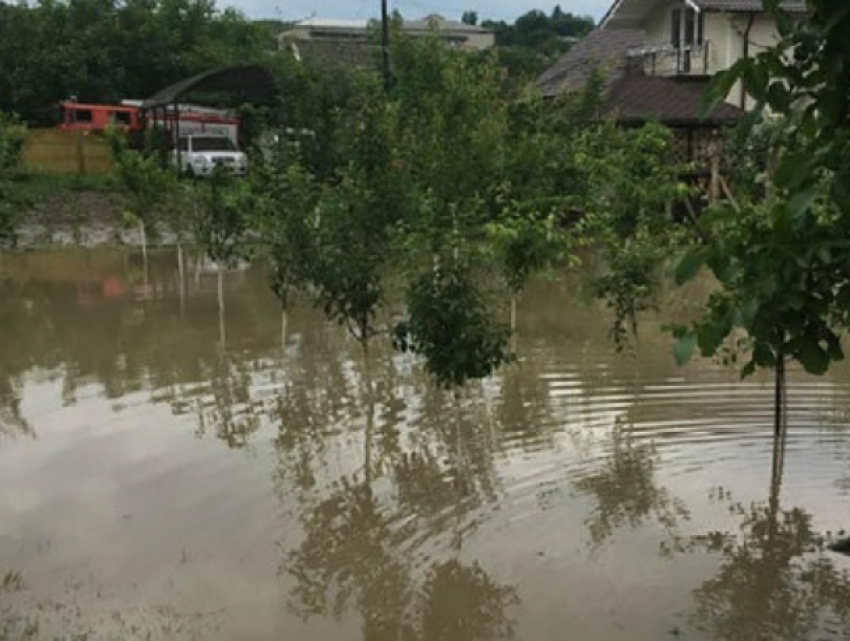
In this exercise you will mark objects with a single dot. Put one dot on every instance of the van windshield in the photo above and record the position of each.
(212, 143)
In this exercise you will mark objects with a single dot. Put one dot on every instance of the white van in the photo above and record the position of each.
(200, 154)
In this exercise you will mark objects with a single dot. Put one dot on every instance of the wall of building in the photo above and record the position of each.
(763, 34)
(472, 40)
(716, 34)
(67, 152)
(657, 25)
(479, 41)
(724, 33)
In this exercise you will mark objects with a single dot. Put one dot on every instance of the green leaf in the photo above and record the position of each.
(801, 202)
(813, 357)
(709, 338)
(721, 84)
(690, 263)
(684, 349)
(792, 170)
(833, 348)
(749, 310)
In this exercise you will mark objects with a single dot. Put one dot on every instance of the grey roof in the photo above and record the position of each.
(603, 49)
(629, 14)
(332, 23)
(436, 21)
(792, 6)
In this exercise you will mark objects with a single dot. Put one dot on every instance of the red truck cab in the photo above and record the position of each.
(88, 117)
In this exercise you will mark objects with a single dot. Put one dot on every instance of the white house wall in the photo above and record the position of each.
(657, 25)
(485, 40)
(725, 34)
(763, 34)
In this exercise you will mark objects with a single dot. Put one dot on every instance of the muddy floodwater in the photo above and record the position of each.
(168, 471)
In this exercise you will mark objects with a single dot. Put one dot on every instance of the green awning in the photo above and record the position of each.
(249, 83)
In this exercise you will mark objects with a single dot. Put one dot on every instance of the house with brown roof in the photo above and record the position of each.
(656, 58)
(698, 37)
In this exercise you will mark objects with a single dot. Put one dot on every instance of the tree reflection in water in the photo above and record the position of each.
(12, 421)
(362, 539)
(775, 581)
(228, 407)
(624, 489)
(354, 555)
(12, 307)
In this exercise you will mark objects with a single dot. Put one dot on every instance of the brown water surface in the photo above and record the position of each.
(168, 471)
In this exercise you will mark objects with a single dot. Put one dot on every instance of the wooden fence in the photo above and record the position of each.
(68, 152)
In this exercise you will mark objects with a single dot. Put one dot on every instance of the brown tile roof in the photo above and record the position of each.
(630, 94)
(603, 49)
(673, 101)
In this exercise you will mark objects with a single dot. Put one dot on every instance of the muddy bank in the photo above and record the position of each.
(83, 218)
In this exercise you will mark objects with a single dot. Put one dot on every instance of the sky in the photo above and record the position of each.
(507, 10)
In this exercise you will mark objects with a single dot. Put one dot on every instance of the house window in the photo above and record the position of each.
(686, 28)
(120, 118)
(83, 116)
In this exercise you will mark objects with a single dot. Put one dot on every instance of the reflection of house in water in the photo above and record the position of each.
(355, 41)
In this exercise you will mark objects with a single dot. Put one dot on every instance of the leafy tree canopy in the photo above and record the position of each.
(108, 50)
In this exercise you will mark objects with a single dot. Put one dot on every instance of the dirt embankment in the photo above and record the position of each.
(86, 218)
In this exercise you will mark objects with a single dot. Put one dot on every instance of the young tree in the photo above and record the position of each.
(11, 198)
(781, 261)
(148, 185)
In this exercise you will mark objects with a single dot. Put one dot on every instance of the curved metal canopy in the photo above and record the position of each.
(250, 83)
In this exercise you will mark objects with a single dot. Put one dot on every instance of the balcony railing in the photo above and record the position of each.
(667, 60)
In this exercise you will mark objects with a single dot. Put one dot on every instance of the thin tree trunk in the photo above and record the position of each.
(776, 474)
(221, 325)
(513, 322)
(144, 237)
(284, 325)
(181, 273)
(370, 413)
(457, 535)
(779, 402)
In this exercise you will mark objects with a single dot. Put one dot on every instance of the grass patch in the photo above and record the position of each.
(39, 185)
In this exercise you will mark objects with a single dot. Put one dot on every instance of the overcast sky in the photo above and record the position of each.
(507, 10)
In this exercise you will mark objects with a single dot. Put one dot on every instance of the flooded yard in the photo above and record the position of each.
(168, 471)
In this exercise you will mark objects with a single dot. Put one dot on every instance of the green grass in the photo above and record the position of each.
(40, 185)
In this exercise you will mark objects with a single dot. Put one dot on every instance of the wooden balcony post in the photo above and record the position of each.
(714, 161)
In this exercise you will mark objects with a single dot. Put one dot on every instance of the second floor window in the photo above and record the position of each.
(686, 28)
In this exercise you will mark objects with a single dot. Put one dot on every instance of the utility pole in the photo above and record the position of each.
(385, 44)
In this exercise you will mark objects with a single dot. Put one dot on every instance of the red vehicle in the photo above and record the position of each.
(78, 116)
(87, 117)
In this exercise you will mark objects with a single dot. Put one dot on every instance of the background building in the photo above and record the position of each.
(355, 40)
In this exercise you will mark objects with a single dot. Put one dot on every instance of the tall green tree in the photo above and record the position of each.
(446, 191)
(782, 261)
(106, 50)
